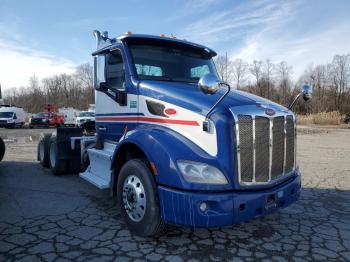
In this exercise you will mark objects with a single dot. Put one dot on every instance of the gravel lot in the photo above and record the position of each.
(49, 218)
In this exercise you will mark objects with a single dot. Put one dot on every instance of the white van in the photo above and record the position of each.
(11, 116)
(70, 115)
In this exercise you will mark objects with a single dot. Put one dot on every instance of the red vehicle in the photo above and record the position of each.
(46, 120)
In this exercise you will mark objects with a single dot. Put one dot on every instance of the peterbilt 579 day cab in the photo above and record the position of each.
(175, 144)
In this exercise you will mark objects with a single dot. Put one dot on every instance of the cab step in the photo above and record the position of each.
(99, 172)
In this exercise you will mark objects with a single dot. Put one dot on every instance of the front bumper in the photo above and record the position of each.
(3, 124)
(182, 208)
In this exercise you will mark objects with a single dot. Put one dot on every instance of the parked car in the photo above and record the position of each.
(85, 116)
(46, 120)
(12, 116)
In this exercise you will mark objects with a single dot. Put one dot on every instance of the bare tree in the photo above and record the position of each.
(284, 72)
(239, 71)
(268, 72)
(256, 70)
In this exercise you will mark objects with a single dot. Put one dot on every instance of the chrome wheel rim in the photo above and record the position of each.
(52, 156)
(41, 151)
(134, 198)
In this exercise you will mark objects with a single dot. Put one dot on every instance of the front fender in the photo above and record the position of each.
(164, 147)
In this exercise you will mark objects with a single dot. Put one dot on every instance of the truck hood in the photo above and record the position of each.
(189, 96)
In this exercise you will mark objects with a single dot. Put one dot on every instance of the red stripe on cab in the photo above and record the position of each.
(150, 119)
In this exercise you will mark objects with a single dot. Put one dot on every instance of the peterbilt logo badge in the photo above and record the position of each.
(270, 111)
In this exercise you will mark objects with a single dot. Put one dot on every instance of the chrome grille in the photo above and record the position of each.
(262, 145)
(265, 147)
(277, 147)
(246, 147)
(290, 144)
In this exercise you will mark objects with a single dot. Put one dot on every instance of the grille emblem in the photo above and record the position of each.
(270, 111)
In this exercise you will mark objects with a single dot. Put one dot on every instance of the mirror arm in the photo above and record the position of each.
(206, 125)
(294, 101)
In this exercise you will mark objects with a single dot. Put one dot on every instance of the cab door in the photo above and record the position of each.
(115, 106)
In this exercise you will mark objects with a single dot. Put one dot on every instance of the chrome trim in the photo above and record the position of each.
(285, 145)
(254, 149)
(238, 149)
(254, 111)
(270, 149)
(295, 142)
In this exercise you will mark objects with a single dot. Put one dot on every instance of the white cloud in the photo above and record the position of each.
(19, 63)
(278, 30)
(299, 49)
(234, 22)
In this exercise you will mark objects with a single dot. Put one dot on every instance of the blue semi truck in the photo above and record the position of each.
(175, 144)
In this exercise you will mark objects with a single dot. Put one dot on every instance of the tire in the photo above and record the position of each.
(2, 149)
(43, 150)
(58, 166)
(138, 199)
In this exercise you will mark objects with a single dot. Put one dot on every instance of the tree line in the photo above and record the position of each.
(64, 90)
(331, 84)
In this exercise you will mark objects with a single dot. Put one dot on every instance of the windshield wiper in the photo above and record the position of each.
(160, 78)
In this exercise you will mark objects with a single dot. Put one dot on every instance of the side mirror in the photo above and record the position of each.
(306, 91)
(103, 87)
(209, 84)
(15, 116)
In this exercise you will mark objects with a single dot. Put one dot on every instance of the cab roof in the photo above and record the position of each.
(143, 37)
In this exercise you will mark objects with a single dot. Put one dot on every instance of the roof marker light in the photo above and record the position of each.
(162, 35)
(128, 33)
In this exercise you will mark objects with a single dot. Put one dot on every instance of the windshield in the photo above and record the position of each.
(41, 115)
(86, 114)
(6, 114)
(171, 63)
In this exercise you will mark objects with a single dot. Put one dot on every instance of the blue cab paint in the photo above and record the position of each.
(180, 200)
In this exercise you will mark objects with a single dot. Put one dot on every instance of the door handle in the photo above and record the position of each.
(102, 128)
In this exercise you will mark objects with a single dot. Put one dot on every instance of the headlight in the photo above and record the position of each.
(44, 120)
(10, 120)
(201, 173)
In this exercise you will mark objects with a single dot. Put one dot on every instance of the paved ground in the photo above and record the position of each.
(49, 218)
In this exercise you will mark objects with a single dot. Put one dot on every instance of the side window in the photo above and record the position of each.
(99, 70)
(148, 70)
(115, 73)
(199, 71)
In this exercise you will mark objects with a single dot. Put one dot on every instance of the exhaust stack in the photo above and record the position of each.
(98, 38)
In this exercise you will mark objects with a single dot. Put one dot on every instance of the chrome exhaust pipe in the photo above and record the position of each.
(98, 38)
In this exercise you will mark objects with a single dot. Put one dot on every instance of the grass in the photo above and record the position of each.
(323, 118)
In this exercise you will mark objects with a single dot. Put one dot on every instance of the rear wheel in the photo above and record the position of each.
(43, 150)
(2, 149)
(58, 166)
(138, 199)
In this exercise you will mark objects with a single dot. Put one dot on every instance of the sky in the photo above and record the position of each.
(45, 37)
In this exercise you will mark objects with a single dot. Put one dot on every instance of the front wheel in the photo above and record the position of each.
(138, 199)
